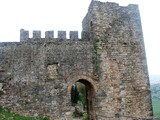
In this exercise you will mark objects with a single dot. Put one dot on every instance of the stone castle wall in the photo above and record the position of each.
(34, 75)
(37, 73)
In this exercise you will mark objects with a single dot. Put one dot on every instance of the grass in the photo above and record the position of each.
(156, 107)
(8, 115)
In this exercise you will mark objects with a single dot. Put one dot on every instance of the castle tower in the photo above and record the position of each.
(116, 33)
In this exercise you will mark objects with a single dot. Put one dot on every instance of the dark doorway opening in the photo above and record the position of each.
(82, 99)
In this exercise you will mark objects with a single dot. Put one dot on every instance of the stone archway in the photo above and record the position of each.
(89, 97)
(91, 90)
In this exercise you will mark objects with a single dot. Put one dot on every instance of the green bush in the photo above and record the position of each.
(85, 116)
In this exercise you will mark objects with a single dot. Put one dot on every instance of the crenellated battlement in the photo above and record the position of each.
(61, 35)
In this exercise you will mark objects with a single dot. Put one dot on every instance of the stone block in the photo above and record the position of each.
(62, 35)
(73, 35)
(36, 34)
(85, 35)
(24, 35)
(49, 34)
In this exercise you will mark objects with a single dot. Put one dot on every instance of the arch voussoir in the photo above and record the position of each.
(74, 77)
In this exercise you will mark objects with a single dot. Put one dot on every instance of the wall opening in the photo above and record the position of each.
(91, 29)
(82, 99)
(91, 24)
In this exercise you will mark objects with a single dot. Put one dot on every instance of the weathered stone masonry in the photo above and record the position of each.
(37, 73)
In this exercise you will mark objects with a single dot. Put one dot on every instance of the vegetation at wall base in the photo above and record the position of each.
(155, 91)
(9, 115)
(156, 107)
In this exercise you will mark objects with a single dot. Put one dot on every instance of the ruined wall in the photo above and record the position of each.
(37, 73)
(34, 74)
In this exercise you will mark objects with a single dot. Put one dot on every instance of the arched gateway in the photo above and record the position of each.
(90, 86)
